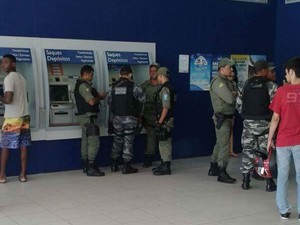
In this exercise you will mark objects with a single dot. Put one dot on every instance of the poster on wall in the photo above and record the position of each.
(245, 67)
(200, 72)
(215, 62)
(291, 1)
(183, 65)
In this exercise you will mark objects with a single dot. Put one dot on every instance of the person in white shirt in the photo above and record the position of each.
(15, 132)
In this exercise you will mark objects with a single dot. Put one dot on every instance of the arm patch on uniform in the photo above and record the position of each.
(165, 97)
(121, 90)
(221, 85)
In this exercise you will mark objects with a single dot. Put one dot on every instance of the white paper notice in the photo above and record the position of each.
(291, 1)
(183, 63)
(254, 1)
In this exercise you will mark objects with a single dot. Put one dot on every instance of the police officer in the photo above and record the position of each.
(124, 99)
(223, 98)
(272, 73)
(87, 100)
(150, 87)
(164, 101)
(253, 104)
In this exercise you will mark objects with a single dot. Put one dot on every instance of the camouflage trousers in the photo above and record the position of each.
(124, 134)
(254, 136)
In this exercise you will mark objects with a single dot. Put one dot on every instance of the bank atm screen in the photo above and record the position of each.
(59, 93)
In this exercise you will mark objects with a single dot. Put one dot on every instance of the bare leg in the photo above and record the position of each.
(4, 158)
(23, 156)
(231, 152)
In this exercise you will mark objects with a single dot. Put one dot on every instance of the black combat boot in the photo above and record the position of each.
(271, 186)
(158, 167)
(93, 170)
(148, 161)
(213, 170)
(114, 165)
(127, 168)
(256, 176)
(85, 164)
(165, 169)
(224, 177)
(246, 181)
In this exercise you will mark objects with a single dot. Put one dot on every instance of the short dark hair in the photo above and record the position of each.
(11, 57)
(294, 64)
(155, 65)
(86, 69)
(125, 70)
(260, 65)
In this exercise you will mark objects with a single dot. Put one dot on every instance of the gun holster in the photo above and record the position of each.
(92, 129)
(162, 132)
(219, 120)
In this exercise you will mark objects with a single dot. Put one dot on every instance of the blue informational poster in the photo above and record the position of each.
(69, 56)
(131, 58)
(200, 72)
(21, 54)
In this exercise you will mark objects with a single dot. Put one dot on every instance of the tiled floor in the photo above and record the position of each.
(188, 197)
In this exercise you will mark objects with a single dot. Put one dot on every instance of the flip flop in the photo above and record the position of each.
(3, 181)
(23, 179)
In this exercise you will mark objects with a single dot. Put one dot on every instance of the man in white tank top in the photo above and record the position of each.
(15, 132)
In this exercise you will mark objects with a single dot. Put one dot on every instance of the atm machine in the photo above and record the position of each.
(24, 65)
(63, 69)
(61, 106)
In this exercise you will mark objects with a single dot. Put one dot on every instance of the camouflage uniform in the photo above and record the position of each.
(255, 133)
(124, 129)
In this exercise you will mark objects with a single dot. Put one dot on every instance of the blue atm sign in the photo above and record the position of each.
(21, 54)
(69, 56)
(132, 58)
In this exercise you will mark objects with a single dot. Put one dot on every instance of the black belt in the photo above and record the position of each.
(228, 116)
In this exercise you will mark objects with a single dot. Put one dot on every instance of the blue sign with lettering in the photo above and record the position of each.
(21, 54)
(132, 58)
(69, 56)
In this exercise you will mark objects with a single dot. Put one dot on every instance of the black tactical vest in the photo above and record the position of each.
(82, 106)
(123, 101)
(256, 99)
(158, 101)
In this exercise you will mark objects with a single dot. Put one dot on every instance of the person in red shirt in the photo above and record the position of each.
(286, 118)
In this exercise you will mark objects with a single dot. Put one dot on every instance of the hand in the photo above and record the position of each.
(102, 95)
(235, 93)
(270, 145)
(158, 124)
